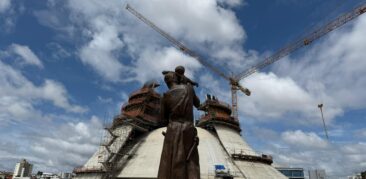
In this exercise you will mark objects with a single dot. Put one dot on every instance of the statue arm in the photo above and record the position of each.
(196, 100)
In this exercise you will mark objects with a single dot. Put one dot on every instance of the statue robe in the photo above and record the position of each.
(177, 111)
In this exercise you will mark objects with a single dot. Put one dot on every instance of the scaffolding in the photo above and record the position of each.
(112, 146)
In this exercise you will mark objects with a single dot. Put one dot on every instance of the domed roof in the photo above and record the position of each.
(222, 146)
(145, 161)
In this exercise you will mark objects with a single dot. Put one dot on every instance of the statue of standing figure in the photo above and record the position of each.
(179, 158)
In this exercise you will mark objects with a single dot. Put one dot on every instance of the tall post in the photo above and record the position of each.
(320, 106)
(234, 102)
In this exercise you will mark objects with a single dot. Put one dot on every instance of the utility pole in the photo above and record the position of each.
(320, 106)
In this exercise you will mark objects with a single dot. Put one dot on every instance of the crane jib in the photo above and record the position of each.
(313, 36)
(180, 46)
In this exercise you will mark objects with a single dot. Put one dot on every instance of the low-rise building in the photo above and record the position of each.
(361, 175)
(317, 174)
(292, 173)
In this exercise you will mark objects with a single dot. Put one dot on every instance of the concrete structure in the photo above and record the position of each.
(292, 173)
(134, 142)
(317, 174)
(23, 169)
(142, 161)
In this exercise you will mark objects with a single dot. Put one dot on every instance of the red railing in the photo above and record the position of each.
(88, 170)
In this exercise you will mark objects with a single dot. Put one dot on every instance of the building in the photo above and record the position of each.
(6, 175)
(64, 175)
(133, 144)
(317, 174)
(292, 173)
(44, 175)
(361, 175)
(23, 169)
(358, 176)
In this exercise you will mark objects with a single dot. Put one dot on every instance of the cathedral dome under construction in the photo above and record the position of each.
(133, 143)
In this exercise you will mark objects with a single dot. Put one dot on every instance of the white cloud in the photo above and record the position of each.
(301, 139)
(19, 96)
(58, 52)
(152, 62)
(26, 54)
(9, 14)
(193, 20)
(331, 72)
(309, 151)
(4, 5)
(108, 30)
(78, 140)
(59, 148)
(99, 51)
(56, 92)
(360, 133)
(231, 3)
(275, 96)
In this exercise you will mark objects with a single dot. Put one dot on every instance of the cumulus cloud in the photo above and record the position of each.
(297, 148)
(56, 92)
(76, 141)
(276, 96)
(331, 67)
(9, 12)
(26, 54)
(360, 133)
(166, 59)
(60, 147)
(111, 35)
(19, 96)
(58, 52)
(232, 3)
(301, 139)
(330, 72)
(98, 53)
(4, 5)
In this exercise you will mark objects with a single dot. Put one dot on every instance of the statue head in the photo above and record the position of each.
(180, 70)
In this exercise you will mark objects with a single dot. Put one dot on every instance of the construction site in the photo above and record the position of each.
(133, 142)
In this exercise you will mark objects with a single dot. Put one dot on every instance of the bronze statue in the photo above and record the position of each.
(180, 78)
(179, 158)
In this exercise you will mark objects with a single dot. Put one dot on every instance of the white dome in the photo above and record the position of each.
(215, 148)
(145, 162)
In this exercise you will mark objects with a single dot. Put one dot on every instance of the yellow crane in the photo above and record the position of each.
(235, 79)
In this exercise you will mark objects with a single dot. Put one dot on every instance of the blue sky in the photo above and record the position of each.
(68, 66)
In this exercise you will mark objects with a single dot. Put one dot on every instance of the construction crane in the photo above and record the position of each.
(320, 106)
(235, 79)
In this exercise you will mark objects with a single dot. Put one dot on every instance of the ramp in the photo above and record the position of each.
(234, 143)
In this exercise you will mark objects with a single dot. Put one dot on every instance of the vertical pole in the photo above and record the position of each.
(234, 101)
(320, 106)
